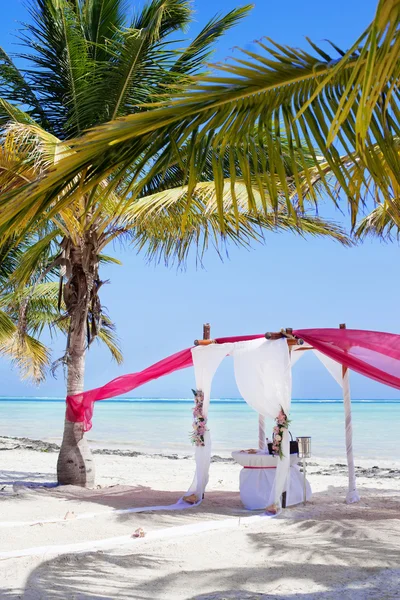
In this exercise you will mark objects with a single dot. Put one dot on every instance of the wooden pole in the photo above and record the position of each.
(206, 341)
(284, 333)
(352, 494)
(261, 432)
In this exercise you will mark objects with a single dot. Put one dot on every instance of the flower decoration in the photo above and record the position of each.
(199, 420)
(282, 423)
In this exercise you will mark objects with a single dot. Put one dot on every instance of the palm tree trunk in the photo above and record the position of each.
(75, 464)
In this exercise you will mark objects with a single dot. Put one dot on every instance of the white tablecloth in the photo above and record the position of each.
(257, 478)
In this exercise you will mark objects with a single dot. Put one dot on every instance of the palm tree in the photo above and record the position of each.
(343, 103)
(88, 67)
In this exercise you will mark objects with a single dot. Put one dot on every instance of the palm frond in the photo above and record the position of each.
(61, 61)
(375, 75)
(7, 327)
(35, 260)
(42, 312)
(16, 89)
(163, 17)
(155, 223)
(10, 113)
(15, 171)
(140, 63)
(381, 222)
(108, 337)
(388, 204)
(192, 60)
(28, 355)
(101, 19)
(109, 260)
(10, 256)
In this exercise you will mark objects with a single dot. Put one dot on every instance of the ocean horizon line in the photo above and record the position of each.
(160, 399)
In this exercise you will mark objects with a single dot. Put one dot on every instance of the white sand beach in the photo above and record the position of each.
(325, 550)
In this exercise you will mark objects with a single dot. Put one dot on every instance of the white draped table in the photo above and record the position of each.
(258, 475)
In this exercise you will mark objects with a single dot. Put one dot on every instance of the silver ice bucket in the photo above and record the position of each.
(304, 447)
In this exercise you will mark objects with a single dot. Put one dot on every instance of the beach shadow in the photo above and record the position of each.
(346, 593)
(324, 514)
(121, 497)
(13, 481)
(375, 504)
(83, 577)
(359, 545)
(137, 577)
(26, 477)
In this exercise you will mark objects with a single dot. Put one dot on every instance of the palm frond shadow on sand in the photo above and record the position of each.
(136, 577)
(343, 555)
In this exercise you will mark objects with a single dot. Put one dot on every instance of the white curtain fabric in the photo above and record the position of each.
(206, 360)
(263, 374)
(295, 355)
(336, 370)
(264, 378)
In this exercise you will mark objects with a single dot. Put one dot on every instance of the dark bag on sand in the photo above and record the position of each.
(294, 446)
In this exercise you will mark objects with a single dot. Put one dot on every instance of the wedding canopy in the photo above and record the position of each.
(263, 365)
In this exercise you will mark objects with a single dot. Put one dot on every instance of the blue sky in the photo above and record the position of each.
(288, 282)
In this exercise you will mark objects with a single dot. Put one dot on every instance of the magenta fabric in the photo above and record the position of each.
(372, 353)
(239, 338)
(80, 406)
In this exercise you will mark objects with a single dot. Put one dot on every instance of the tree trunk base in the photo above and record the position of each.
(75, 465)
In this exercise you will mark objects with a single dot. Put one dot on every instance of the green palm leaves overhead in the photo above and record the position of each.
(324, 104)
(88, 65)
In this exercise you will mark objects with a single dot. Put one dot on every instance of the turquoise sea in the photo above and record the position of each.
(158, 425)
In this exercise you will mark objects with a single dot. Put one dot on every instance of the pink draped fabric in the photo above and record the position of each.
(80, 406)
(371, 353)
